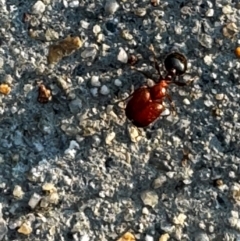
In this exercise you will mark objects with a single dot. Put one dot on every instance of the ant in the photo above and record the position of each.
(146, 103)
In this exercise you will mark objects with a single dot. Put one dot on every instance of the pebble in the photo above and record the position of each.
(209, 13)
(74, 4)
(1, 63)
(140, 12)
(149, 198)
(230, 30)
(94, 92)
(49, 187)
(25, 228)
(85, 237)
(205, 40)
(227, 9)
(158, 182)
(134, 133)
(111, 6)
(145, 211)
(122, 56)
(149, 238)
(201, 237)
(127, 237)
(208, 60)
(96, 29)
(180, 219)
(38, 7)
(109, 138)
(34, 200)
(18, 192)
(104, 90)
(164, 237)
(186, 101)
(219, 96)
(118, 82)
(95, 81)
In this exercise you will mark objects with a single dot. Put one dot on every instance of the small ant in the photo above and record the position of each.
(146, 103)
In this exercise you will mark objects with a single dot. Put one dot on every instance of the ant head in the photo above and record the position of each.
(175, 64)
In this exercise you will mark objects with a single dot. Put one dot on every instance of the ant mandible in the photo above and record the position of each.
(146, 103)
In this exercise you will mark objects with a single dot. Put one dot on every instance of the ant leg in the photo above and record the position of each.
(172, 106)
(142, 72)
(151, 48)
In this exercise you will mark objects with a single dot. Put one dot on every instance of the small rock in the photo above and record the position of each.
(210, 12)
(95, 81)
(158, 182)
(104, 90)
(219, 96)
(180, 219)
(205, 40)
(48, 187)
(34, 200)
(38, 7)
(164, 237)
(25, 229)
(186, 101)
(201, 237)
(127, 237)
(208, 60)
(118, 82)
(134, 133)
(85, 237)
(1, 62)
(227, 9)
(74, 4)
(122, 56)
(89, 52)
(149, 238)
(53, 198)
(140, 12)
(230, 30)
(145, 211)
(17, 192)
(110, 137)
(5, 89)
(149, 198)
(94, 92)
(111, 7)
(96, 29)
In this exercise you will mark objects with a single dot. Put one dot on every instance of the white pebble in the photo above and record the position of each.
(74, 4)
(118, 82)
(38, 7)
(95, 81)
(208, 59)
(111, 7)
(149, 238)
(104, 90)
(186, 101)
(94, 92)
(227, 9)
(110, 138)
(85, 237)
(34, 200)
(219, 96)
(210, 12)
(96, 29)
(1, 63)
(122, 56)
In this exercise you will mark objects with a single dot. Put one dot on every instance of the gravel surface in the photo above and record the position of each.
(72, 167)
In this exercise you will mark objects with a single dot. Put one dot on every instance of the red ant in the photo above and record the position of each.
(146, 103)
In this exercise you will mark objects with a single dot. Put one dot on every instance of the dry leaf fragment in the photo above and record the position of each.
(63, 48)
(5, 89)
(127, 237)
(44, 94)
